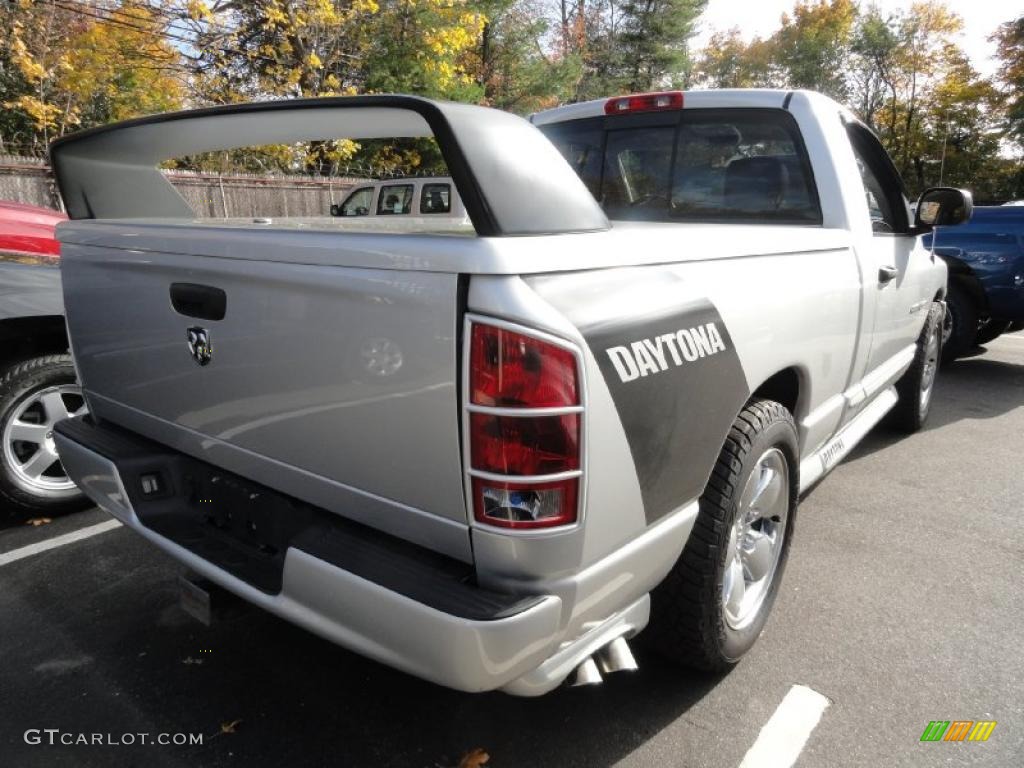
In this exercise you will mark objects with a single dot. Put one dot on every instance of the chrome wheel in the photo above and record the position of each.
(28, 445)
(755, 542)
(931, 365)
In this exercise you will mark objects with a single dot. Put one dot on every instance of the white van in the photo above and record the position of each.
(433, 196)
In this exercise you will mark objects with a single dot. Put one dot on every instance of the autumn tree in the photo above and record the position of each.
(515, 67)
(809, 50)
(1009, 40)
(874, 53)
(959, 139)
(32, 63)
(728, 61)
(67, 67)
(122, 66)
(812, 46)
(303, 48)
(282, 48)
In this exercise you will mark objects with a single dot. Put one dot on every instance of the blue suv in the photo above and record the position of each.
(986, 276)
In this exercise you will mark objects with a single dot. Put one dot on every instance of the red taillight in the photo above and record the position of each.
(644, 102)
(523, 445)
(524, 429)
(513, 370)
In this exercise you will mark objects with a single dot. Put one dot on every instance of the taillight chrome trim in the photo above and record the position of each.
(468, 408)
(552, 478)
(495, 410)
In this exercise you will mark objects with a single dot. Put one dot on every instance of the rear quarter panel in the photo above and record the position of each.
(652, 441)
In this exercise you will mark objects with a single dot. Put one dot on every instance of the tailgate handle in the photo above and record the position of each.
(200, 301)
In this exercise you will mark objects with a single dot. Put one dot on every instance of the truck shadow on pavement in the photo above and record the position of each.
(102, 646)
(967, 389)
(332, 704)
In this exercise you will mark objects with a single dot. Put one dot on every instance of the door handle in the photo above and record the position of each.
(887, 274)
(203, 302)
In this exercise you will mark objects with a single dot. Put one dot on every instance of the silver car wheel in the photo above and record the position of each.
(28, 443)
(755, 542)
(931, 366)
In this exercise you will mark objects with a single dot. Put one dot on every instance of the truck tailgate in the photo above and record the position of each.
(333, 384)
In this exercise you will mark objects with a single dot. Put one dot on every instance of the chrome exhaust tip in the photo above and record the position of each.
(587, 673)
(616, 657)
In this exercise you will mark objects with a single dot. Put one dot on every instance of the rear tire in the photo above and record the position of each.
(960, 327)
(712, 606)
(990, 330)
(34, 394)
(917, 385)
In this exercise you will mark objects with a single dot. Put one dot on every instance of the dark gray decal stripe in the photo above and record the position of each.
(673, 374)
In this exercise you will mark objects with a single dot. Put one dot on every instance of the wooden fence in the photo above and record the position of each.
(211, 195)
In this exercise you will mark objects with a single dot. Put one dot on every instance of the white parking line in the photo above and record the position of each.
(783, 737)
(58, 541)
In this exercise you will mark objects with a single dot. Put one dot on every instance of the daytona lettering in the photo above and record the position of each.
(658, 354)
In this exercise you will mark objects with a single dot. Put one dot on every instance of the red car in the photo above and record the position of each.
(37, 380)
(28, 228)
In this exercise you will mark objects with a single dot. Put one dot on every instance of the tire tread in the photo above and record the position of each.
(13, 380)
(682, 624)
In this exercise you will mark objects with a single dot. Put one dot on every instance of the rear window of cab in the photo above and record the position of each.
(713, 165)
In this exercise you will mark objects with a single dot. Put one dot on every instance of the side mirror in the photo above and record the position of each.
(942, 206)
(335, 210)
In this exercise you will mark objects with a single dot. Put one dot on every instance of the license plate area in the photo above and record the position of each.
(244, 514)
(238, 525)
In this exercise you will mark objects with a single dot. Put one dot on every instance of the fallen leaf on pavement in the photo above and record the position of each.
(37, 521)
(474, 759)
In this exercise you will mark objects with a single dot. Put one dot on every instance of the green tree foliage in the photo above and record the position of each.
(627, 45)
(652, 42)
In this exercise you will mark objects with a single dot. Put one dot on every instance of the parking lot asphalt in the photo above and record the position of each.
(901, 604)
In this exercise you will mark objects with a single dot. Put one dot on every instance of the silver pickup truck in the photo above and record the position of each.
(490, 454)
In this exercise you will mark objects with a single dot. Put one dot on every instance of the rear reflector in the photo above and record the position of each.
(525, 505)
(644, 102)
